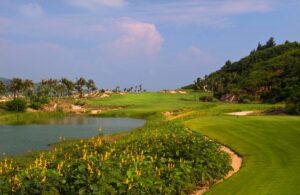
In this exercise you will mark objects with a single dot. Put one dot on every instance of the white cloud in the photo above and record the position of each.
(240, 7)
(94, 4)
(31, 10)
(137, 38)
(204, 12)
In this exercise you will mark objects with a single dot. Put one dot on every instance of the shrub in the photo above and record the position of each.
(206, 99)
(39, 99)
(293, 104)
(36, 105)
(79, 103)
(246, 99)
(17, 105)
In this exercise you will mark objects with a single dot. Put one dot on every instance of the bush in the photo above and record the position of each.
(206, 99)
(293, 104)
(39, 99)
(79, 103)
(36, 105)
(16, 105)
(293, 108)
(37, 102)
(246, 99)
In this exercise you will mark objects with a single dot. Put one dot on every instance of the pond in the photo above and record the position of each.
(18, 139)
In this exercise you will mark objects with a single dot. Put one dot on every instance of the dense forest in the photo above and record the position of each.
(270, 74)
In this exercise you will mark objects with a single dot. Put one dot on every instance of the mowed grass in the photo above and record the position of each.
(269, 145)
(150, 103)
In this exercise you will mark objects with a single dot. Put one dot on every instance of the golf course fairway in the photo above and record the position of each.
(270, 149)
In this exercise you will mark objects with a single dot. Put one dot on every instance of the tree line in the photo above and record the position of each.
(47, 87)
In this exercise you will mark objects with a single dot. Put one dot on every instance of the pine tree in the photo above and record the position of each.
(270, 43)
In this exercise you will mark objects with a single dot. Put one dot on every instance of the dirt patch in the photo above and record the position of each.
(31, 110)
(104, 95)
(77, 109)
(236, 163)
(182, 92)
(96, 111)
(242, 113)
(168, 114)
(182, 113)
(174, 91)
(5, 99)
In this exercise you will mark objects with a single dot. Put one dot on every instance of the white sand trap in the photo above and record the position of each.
(242, 113)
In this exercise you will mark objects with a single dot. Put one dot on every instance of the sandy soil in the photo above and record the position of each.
(168, 114)
(104, 95)
(96, 111)
(174, 91)
(242, 113)
(236, 163)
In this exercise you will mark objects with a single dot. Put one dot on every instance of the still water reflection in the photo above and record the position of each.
(17, 139)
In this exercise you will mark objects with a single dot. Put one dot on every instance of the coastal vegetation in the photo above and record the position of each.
(270, 74)
(178, 150)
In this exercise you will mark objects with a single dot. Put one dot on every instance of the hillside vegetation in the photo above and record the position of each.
(269, 74)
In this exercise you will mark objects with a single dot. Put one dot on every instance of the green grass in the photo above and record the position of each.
(270, 148)
(269, 144)
(147, 104)
(14, 118)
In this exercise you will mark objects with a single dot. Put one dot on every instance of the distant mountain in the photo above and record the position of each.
(5, 80)
(270, 74)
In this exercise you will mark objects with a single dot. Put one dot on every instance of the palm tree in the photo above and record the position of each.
(28, 87)
(90, 84)
(79, 86)
(49, 86)
(44, 88)
(2, 88)
(16, 86)
(52, 84)
(117, 89)
(59, 89)
(140, 88)
(69, 85)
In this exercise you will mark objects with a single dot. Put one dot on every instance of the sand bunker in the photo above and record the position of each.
(242, 113)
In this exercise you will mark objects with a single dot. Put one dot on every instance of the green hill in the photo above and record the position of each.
(270, 74)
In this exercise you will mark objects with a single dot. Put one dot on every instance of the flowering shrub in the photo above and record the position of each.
(171, 160)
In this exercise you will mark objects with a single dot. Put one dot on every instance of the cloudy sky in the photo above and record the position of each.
(157, 43)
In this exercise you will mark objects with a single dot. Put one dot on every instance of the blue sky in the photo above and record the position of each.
(160, 44)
